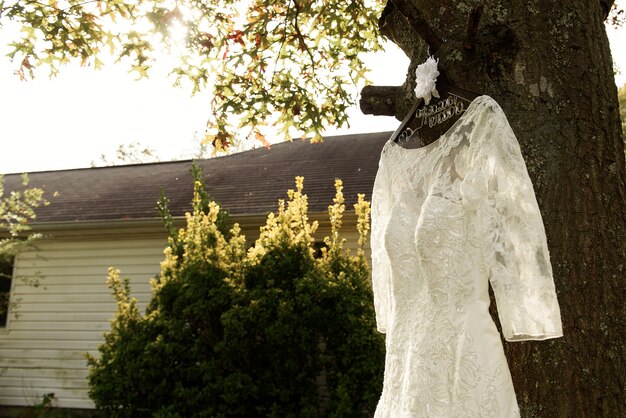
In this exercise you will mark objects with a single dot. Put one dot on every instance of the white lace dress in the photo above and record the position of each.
(447, 219)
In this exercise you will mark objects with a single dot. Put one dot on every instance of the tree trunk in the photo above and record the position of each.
(549, 66)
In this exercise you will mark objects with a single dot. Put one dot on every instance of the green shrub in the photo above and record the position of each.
(273, 331)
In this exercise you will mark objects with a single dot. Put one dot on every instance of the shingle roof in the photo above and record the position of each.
(247, 183)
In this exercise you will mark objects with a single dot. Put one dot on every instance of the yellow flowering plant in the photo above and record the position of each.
(277, 330)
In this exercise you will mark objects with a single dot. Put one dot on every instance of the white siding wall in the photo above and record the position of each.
(54, 324)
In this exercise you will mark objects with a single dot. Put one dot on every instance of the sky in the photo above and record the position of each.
(71, 120)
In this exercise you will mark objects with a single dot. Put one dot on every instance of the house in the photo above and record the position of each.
(60, 306)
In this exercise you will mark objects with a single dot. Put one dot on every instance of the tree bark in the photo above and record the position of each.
(380, 100)
(549, 66)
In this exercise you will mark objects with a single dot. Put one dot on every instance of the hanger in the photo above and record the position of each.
(445, 89)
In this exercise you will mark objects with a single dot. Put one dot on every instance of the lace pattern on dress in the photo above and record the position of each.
(448, 219)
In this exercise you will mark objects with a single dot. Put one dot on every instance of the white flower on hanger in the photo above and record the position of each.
(426, 80)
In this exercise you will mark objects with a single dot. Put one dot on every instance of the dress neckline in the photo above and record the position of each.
(443, 136)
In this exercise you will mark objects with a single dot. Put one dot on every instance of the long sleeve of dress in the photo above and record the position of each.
(381, 269)
(519, 262)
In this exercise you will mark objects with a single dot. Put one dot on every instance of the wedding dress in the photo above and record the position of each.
(447, 219)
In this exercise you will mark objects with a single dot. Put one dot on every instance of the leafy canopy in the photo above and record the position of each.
(272, 65)
(17, 210)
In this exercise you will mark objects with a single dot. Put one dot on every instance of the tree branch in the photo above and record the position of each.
(301, 42)
(380, 100)
(282, 42)
(417, 21)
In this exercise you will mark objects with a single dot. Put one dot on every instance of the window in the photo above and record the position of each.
(6, 277)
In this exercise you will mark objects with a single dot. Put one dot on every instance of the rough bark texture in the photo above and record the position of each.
(380, 100)
(548, 65)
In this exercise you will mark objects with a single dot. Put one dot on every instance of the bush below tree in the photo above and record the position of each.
(277, 330)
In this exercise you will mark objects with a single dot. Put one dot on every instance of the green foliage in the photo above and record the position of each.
(17, 210)
(272, 65)
(273, 331)
(199, 182)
